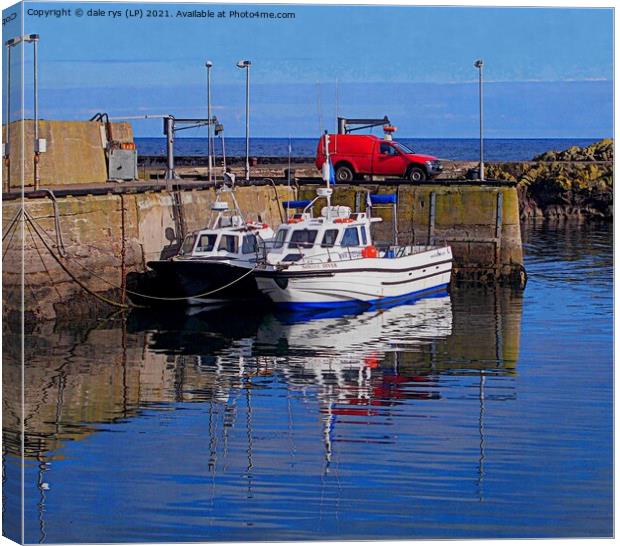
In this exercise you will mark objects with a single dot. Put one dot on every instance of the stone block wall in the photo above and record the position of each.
(75, 152)
(104, 237)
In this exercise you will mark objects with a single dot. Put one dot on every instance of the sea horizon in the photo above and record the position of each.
(452, 148)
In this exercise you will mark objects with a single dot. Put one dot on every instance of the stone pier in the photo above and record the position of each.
(86, 245)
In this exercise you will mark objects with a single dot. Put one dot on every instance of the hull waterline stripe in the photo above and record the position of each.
(292, 306)
(291, 274)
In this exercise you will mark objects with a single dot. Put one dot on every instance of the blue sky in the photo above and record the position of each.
(549, 71)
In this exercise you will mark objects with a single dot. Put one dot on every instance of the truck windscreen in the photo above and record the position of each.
(403, 148)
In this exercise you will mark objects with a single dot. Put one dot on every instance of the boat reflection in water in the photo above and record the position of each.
(278, 399)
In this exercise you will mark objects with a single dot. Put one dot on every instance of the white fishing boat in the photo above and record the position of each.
(331, 261)
(215, 264)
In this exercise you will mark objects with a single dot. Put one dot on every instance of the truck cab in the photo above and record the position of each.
(358, 155)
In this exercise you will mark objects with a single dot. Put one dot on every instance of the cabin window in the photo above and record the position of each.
(302, 238)
(350, 237)
(228, 243)
(364, 237)
(387, 149)
(188, 244)
(206, 242)
(280, 237)
(249, 245)
(329, 238)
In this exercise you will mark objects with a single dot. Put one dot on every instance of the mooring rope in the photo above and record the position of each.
(12, 231)
(12, 223)
(73, 277)
(138, 294)
(203, 295)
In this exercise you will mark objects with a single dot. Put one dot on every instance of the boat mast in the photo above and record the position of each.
(326, 171)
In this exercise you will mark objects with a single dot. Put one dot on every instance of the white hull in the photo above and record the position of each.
(363, 280)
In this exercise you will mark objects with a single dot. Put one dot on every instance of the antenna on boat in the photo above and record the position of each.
(290, 151)
(326, 172)
(326, 165)
(318, 104)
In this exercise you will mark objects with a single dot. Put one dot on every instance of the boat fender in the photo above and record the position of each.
(370, 252)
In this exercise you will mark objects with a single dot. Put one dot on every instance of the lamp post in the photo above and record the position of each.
(246, 64)
(7, 150)
(38, 144)
(209, 64)
(38, 147)
(479, 65)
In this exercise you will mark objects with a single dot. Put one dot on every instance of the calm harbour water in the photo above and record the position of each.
(483, 413)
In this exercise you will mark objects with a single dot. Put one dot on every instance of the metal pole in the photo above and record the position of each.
(210, 145)
(170, 174)
(247, 123)
(479, 65)
(395, 222)
(7, 146)
(223, 153)
(290, 149)
(37, 178)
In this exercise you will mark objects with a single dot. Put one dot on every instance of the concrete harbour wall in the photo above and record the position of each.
(106, 237)
(75, 152)
(480, 223)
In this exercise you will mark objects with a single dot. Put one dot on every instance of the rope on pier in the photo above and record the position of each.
(107, 300)
(12, 223)
(73, 277)
(12, 229)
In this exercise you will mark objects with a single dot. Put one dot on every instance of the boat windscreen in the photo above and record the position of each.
(188, 244)
(302, 238)
(206, 242)
(229, 243)
(329, 238)
(280, 237)
(350, 237)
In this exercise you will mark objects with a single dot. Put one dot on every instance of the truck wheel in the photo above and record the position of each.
(344, 174)
(416, 174)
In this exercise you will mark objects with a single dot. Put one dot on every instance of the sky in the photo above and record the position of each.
(548, 72)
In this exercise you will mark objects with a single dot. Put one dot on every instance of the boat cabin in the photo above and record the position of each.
(336, 234)
(229, 237)
(239, 242)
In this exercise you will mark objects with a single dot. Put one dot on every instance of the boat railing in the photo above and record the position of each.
(385, 250)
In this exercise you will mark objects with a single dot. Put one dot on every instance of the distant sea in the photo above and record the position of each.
(462, 149)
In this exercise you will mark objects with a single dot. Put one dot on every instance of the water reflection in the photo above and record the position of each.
(358, 377)
(241, 424)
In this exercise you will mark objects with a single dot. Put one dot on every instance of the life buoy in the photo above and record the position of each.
(294, 220)
(370, 252)
(343, 220)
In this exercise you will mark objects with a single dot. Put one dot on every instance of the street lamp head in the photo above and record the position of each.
(479, 63)
(208, 64)
(243, 64)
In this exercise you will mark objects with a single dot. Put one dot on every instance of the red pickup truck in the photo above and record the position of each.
(356, 155)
